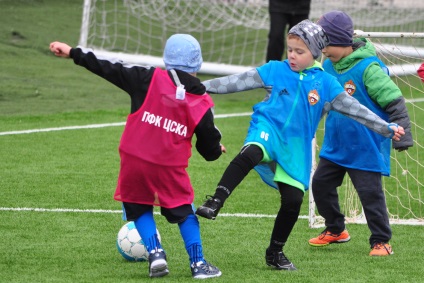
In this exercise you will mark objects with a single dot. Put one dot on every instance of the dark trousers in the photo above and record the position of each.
(277, 33)
(328, 176)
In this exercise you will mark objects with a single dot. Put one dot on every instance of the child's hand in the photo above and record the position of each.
(60, 49)
(398, 131)
(223, 149)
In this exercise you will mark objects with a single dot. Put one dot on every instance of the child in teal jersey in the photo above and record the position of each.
(278, 142)
(351, 148)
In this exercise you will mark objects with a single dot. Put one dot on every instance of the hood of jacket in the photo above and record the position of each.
(362, 49)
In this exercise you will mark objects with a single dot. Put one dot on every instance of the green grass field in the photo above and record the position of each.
(58, 218)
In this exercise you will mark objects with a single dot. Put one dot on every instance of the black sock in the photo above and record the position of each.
(222, 193)
(276, 246)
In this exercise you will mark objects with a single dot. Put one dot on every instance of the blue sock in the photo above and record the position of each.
(146, 227)
(190, 232)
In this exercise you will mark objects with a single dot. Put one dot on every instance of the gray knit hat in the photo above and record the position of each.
(182, 52)
(313, 35)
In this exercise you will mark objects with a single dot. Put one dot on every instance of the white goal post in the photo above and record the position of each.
(233, 36)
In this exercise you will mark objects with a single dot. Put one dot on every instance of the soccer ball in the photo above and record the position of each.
(130, 245)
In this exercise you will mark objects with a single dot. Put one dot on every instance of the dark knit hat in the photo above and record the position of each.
(312, 34)
(339, 28)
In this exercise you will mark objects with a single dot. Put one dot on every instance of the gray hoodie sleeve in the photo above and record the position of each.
(350, 107)
(235, 83)
(398, 113)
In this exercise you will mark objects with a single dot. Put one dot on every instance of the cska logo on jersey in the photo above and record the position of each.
(350, 87)
(313, 97)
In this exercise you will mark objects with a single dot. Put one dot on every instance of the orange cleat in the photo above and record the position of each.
(326, 238)
(381, 249)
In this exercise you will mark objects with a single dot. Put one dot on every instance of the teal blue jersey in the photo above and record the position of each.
(348, 143)
(286, 122)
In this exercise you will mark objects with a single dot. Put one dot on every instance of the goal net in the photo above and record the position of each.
(233, 35)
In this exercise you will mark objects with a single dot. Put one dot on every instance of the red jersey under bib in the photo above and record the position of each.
(156, 145)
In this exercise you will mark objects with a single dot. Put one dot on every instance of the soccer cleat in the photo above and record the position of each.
(210, 208)
(278, 260)
(326, 238)
(381, 249)
(158, 266)
(203, 270)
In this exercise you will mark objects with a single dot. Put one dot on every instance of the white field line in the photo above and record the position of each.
(238, 215)
(94, 126)
(233, 215)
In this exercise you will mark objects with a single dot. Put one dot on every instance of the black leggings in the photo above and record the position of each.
(250, 156)
(291, 202)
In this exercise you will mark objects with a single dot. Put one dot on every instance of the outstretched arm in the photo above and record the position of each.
(132, 79)
(235, 83)
(349, 106)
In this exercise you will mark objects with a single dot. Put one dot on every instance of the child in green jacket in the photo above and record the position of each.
(351, 148)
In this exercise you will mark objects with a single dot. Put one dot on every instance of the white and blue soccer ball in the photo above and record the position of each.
(130, 245)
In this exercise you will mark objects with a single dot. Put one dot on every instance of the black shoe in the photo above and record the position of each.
(158, 266)
(278, 260)
(210, 208)
(203, 270)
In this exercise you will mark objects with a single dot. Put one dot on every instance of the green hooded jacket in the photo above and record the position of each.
(380, 87)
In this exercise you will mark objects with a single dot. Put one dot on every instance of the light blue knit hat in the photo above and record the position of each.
(183, 52)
